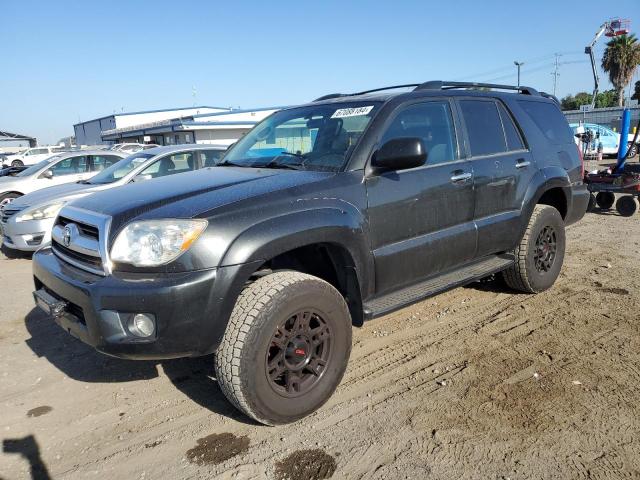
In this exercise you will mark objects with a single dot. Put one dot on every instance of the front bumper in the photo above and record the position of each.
(185, 306)
(26, 236)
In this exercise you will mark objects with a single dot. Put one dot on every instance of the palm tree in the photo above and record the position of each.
(620, 60)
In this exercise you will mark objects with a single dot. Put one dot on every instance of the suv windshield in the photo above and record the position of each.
(313, 137)
(118, 170)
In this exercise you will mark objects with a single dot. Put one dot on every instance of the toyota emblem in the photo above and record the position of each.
(66, 236)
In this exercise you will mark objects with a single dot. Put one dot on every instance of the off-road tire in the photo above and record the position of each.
(627, 206)
(240, 361)
(605, 200)
(523, 274)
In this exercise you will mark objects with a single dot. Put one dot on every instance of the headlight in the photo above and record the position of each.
(155, 242)
(40, 213)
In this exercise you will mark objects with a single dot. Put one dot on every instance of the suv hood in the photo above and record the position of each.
(188, 195)
(64, 192)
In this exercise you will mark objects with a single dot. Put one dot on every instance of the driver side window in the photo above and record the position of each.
(433, 123)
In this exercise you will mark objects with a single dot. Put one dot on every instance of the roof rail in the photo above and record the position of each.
(442, 85)
(338, 95)
(446, 85)
(550, 96)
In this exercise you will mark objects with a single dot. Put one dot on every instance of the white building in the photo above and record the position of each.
(90, 132)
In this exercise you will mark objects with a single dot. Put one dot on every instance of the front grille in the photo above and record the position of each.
(87, 230)
(77, 238)
(7, 213)
(94, 262)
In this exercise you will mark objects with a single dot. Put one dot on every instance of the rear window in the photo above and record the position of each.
(484, 127)
(549, 120)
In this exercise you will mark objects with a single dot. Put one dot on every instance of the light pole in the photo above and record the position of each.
(518, 64)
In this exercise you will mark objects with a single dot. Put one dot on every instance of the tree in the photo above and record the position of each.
(636, 92)
(608, 98)
(620, 59)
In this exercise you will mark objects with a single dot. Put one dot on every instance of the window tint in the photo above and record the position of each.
(549, 119)
(100, 162)
(209, 158)
(514, 140)
(484, 127)
(70, 166)
(433, 123)
(170, 165)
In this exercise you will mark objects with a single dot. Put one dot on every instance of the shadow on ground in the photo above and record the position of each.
(195, 377)
(15, 254)
(28, 448)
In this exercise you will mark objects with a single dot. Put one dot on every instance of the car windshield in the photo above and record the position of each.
(313, 137)
(36, 168)
(118, 170)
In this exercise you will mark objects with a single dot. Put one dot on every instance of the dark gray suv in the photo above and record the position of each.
(322, 216)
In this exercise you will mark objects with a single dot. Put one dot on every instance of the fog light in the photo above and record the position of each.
(142, 325)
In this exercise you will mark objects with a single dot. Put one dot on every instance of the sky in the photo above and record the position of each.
(65, 62)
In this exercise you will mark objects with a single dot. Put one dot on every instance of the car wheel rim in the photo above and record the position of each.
(546, 249)
(298, 353)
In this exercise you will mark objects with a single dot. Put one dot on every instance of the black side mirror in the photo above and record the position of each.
(400, 154)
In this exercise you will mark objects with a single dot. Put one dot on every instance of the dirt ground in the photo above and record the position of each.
(479, 382)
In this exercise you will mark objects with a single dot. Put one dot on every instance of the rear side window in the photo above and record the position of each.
(484, 127)
(549, 120)
(514, 140)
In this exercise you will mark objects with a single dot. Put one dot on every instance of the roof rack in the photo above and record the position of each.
(441, 85)
(445, 85)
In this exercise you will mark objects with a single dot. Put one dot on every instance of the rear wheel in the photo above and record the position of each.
(626, 206)
(17, 163)
(286, 347)
(633, 150)
(605, 200)
(540, 254)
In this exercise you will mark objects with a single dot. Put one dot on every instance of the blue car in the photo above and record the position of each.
(606, 137)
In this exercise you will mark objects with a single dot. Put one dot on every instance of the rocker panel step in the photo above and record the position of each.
(401, 298)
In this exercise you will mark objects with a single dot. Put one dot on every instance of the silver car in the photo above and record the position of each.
(26, 223)
(67, 167)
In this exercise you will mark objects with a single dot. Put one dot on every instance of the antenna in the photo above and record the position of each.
(555, 72)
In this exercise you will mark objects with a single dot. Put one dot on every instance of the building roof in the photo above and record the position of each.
(141, 112)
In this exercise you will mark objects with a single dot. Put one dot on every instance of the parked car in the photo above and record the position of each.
(10, 171)
(606, 137)
(27, 222)
(132, 147)
(31, 156)
(320, 217)
(61, 168)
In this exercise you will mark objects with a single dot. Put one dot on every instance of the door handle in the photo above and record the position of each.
(522, 163)
(460, 177)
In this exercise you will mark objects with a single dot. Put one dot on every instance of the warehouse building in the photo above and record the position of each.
(90, 132)
(219, 127)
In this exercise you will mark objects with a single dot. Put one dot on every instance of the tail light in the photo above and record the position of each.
(581, 161)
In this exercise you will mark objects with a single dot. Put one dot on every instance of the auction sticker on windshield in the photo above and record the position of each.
(351, 112)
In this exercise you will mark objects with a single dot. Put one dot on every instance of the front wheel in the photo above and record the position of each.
(633, 150)
(626, 206)
(540, 254)
(17, 163)
(286, 347)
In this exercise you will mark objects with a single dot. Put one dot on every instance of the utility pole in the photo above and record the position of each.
(518, 65)
(555, 72)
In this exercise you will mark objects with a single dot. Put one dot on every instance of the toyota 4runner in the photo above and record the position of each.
(322, 216)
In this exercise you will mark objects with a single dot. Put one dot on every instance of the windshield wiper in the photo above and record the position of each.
(83, 182)
(274, 164)
(227, 163)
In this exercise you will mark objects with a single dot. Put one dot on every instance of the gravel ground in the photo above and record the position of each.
(479, 382)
